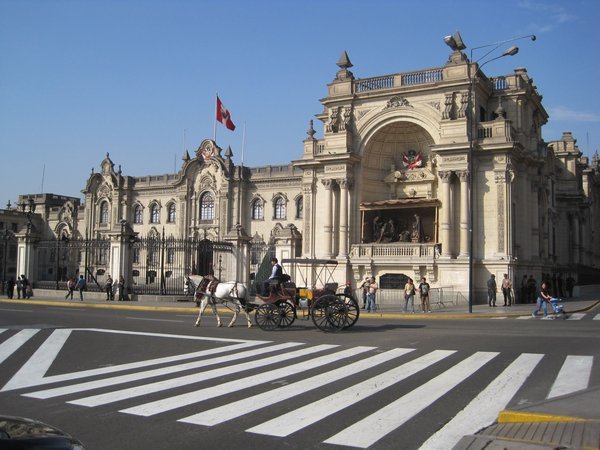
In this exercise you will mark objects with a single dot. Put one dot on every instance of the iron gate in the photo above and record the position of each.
(160, 264)
(60, 259)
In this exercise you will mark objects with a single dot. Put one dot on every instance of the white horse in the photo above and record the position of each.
(231, 293)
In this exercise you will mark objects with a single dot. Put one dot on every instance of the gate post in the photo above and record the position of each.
(241, 241)
(287, 240)
(26, 257)
(123, 256)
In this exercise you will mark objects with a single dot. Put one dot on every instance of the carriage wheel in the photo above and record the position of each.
(352, 309)
(327, 314)
(267, 316)
(288, 313)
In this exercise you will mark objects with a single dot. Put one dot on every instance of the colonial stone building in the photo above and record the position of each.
(416, 173)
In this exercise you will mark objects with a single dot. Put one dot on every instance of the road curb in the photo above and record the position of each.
(76, 304)
(508, 416)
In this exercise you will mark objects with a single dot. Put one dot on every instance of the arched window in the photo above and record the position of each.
(299, 208)
(104, 213)
(154, 213)
(137, 214)
(171, 215)
(207, 206)
(258, 210)
(279, 207)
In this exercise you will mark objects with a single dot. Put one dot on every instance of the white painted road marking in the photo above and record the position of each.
(483, 409)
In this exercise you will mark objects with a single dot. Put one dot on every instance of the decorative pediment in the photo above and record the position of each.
(398, 101)
(208, 150)
(104, 191)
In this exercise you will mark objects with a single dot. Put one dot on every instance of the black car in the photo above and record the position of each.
(20, 433)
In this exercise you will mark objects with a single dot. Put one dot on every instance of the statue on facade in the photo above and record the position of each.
(417, 230)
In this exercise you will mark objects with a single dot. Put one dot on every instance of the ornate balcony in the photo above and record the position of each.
(396, 253)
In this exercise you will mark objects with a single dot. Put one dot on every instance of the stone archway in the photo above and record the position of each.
(398, 197)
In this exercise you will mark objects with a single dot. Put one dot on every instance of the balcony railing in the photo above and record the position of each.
(391, 81)
(497, 131)
(396, 251)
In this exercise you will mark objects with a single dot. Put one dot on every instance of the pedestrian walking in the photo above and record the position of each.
(365, 290)
(19, 284)
(26, 290)
(122, 289)
(542, 300)
(506, 290)
(409, 295)
(371, 306)
(70, 288)
(491, 291)
(424, 294)
(10, 288)
(80, 286)
(108, 287)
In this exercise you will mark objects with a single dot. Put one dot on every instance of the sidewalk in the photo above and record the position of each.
(571, 421)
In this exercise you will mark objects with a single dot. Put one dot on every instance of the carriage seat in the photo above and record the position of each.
(330, 287)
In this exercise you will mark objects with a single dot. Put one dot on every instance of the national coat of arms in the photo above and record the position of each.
(412, 159)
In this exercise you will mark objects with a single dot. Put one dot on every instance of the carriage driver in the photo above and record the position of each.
(276, 273)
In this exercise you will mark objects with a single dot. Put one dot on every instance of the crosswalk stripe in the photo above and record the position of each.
(596, 317)
(576, 316)
(171, 383)
(15, 342)
(574, 375)
(528, 317)
(33, 372)
(482, 411)
(374, 427)
(189, 398)
(126, 378)
(300, 418)
(250, 404)
(499, 318)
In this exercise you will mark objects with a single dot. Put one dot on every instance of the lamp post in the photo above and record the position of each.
(456, 43)
(28, 208)
(4, 235)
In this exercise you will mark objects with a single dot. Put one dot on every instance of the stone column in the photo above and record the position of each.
(308, 232)
(535, 222)
(327, 227)
(463, 176)
(343, 244)
(500, 179)
(576, 242)
(447, 246)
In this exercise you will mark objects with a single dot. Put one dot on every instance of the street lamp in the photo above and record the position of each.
(28, 208)
(456, 43)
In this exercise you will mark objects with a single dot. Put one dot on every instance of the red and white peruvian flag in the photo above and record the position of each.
(223, 115)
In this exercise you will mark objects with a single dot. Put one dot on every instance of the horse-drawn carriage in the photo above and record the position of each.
(314, 296)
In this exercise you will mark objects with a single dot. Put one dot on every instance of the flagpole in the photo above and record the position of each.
(243, 143)
(215, 118)
(239, 221)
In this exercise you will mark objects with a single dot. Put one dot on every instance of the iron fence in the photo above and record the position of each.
(158, 264)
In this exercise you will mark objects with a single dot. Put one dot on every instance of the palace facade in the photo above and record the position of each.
(416, 173)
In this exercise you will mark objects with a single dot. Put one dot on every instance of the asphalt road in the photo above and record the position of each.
(151, 380)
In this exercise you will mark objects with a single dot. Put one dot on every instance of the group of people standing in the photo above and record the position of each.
(409, 295)
(369, 290)
(22, 285)
(117, 286)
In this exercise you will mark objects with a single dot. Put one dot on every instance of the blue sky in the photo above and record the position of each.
(79, 79)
